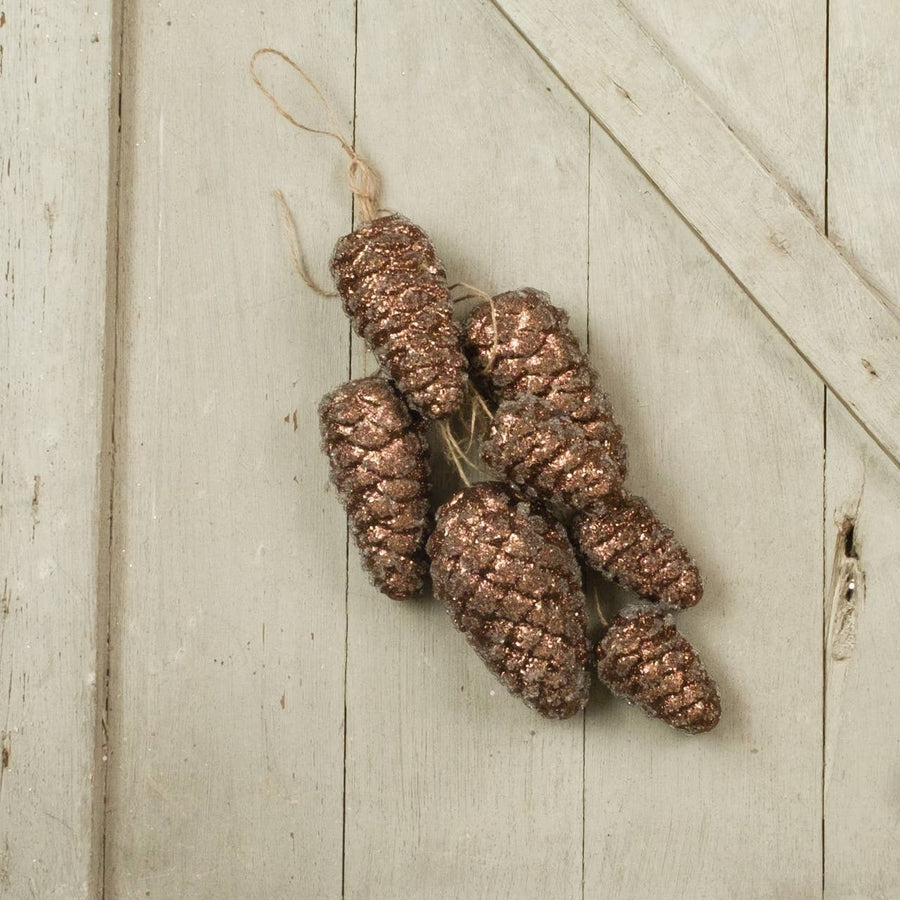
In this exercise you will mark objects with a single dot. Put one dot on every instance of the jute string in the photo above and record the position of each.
(293, 239)
(473, 417)
(474, 293)
(600, 615)
(365, 185)
(362, 176)
(455, 452)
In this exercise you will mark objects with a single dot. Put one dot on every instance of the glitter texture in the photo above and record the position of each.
(394, 291)
(379, 464)
(512, 585)
(624, 540)
(549, 457)
(642, 658)
(535, 352)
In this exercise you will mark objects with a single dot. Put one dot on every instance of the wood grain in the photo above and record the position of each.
(765, 237)
(724, 426)
(277, 728)
(862, 490)
(455, 788)
(862, 701)
(55, 89)
(227, 670)
(752, 62)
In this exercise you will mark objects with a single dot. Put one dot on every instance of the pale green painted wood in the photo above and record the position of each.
(766, 237)
(724, 429)
(226, 695)
(862, 827)
(455, 788)
(233, 623)
(56, 66)
(725, 425)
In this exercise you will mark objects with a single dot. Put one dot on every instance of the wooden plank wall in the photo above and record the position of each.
(275, 728)
(482, 146)
(56, 203)
(228, 637)
(862, 601)
(761, 232)
(728, 422)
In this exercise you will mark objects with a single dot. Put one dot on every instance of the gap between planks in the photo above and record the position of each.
(587, 325)
(825, 389)
(105, 586)
(347, 525)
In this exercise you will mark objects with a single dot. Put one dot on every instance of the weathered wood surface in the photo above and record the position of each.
(770, 242)
(717, 409)
(862, 601)
(493, 162)
(278, 729)
(229, 565)
(55, 89)
(727, 442)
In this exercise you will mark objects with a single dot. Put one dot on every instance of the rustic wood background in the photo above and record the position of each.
(201, 696)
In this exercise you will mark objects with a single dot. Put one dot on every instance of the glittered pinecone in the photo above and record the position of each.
(512, 585)
(533, 351)
(548, 456)
(394, 291)
(642, 658)
(624, 540)
(379, 464)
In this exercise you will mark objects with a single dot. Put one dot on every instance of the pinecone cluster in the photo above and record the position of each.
(500, 555)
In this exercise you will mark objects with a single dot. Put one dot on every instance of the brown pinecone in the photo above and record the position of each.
(624, 540)
(548, 456)
(394, 291)
(643, 658)
(512, 585)
(537, 353)
(380, 466)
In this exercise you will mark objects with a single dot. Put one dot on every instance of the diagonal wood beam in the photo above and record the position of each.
(763, 235)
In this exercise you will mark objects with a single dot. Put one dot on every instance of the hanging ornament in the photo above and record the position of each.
(502, 564)
(379, 464)
(512, 585)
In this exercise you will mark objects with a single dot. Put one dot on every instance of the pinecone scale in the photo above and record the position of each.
(549, 456)
(523, 345)
(625, 540)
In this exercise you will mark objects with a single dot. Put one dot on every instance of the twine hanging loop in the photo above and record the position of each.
(362, 176)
